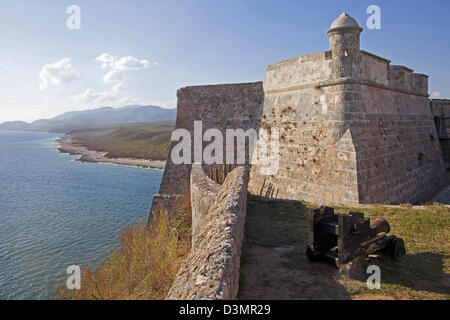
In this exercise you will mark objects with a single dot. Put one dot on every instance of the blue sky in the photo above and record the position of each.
(160, 46)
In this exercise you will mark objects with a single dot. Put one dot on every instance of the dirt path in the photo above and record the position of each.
(273, 265)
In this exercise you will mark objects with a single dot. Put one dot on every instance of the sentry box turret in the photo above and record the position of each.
(340, 237)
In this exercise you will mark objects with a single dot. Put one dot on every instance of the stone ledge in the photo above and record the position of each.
(367, 83)
(211, 271)
(203, 194)
(344, 81)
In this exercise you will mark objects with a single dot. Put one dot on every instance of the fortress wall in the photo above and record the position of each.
(295, 72)
(211, 271)
(440, 109)
(317, 157)
(420, 83)
(374, 68)
(400, 77)
(369, 139)
(396, 143)
(203, 195)
(222, 107)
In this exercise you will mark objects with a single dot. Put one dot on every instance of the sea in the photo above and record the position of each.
(56, 212)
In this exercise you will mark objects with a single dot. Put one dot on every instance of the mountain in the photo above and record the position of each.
(107, 115)
(14, 125)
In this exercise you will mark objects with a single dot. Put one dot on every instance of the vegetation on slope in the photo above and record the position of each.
(276, 236)
(146, 263)
(149, 140)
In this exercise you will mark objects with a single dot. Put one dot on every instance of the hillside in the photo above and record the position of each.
(107, 115)
(150, 140)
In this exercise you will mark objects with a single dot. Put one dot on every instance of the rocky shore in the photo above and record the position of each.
(69, 144)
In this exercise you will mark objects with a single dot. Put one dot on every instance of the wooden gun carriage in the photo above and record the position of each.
(340, 237)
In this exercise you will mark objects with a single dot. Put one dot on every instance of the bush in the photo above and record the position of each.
(146, 263)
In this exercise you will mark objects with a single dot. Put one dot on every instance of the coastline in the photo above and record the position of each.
(67, 144)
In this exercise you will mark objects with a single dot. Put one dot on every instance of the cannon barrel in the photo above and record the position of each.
(379, 225)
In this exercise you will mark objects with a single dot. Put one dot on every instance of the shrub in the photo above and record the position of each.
(146, 262)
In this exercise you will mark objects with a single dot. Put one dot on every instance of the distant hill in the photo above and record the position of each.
(14, 125)
(107, 115)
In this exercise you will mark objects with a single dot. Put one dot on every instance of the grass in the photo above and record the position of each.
(149, 140)
(424, 273)
(146, 263)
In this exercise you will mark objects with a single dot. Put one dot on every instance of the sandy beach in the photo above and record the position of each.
(68, 144)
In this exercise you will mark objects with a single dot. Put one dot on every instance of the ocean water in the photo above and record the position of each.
(56, 212)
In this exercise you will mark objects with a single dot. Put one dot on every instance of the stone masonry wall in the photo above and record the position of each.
(203, 195)
(440, 109)
(398, 155)
(317, 157)
(228, 106)
(211, 271)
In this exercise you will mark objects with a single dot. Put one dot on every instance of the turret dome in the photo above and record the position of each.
(344, 21)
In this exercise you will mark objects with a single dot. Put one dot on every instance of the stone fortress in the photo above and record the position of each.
(353, 129)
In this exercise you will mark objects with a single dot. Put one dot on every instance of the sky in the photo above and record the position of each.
(141, 52)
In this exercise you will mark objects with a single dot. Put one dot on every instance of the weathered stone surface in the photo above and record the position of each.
(203, 195)
(440, 109)
(228, 106)
(211, 271)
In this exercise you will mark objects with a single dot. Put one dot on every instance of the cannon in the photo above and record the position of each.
(340, 237)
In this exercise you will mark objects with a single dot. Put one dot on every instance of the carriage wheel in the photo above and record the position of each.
(397, 248)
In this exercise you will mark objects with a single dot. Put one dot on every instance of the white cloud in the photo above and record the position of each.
(105, 59)
(122, 64)
(119, 66)
(114, 76)
(113, 97)
(129, 63)
(116, 96)
(59, 73)
(436, 94)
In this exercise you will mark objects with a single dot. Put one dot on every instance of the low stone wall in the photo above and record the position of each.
(203, 195)
(211, 271)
